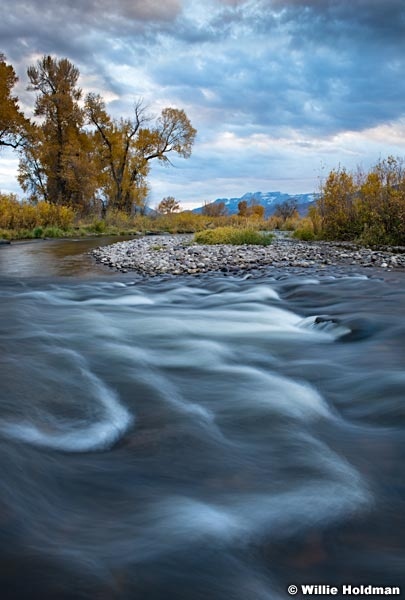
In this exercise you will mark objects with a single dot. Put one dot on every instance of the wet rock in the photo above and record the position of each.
(178, 255)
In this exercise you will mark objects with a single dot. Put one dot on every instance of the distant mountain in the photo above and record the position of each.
(267, 199)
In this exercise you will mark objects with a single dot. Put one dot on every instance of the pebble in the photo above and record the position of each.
(178, 255)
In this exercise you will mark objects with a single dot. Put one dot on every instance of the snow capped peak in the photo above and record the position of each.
(267, 199)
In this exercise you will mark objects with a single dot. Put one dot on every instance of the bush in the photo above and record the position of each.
(375, 235)
(364, 207)
(53, 232)
(231, 235)
(38, 232)
(291, 224)
(306, 235)
(185, 222)
(118, 218)
(53, 215)
(15, 215)
(99, 226)
(274, 223)
(305, 230)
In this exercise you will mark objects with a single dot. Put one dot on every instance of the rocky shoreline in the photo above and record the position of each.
(179, 255)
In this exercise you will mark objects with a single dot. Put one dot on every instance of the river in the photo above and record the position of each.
(210, 437)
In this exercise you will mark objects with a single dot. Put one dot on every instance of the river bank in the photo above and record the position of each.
(179, 255)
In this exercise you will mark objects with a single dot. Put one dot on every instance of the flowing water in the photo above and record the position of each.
(197, 438)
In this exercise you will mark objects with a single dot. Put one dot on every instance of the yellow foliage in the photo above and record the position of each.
(118, 218)
(24, 215)
(185, 222)
(234, 236)
(12, 120)
(369, 208)
(305, 230)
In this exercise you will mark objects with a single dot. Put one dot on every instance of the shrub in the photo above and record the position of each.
(53, 215)
(374, 235)
(365, 207)
(290, 224)
(231, 235)
(274, 222)
(99, 226)
(38, 232)
(118, 218)
(24, 215)
(305, 230)
(304, 234)
(9, 208)
(53, 232)
(185, 222)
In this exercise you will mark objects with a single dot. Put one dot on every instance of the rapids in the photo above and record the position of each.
(194, 438)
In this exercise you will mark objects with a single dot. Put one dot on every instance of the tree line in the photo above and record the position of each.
(74, 152)
(368, 207)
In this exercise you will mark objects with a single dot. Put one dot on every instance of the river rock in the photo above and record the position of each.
(178, 254)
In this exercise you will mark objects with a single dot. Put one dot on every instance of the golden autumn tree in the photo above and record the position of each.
(13, 124)
(257, 211)
(338, 205)
(251, 209)
(367, 207)
(382, 207)
(116, 140)
(168, 205)
(56, 162)
(214, 209)
(243, 208)
(129, 145)
(31, 172)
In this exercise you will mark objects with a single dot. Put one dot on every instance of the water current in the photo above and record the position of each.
(211, 437)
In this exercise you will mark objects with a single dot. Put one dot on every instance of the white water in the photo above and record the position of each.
(200, 440)
(84, 435)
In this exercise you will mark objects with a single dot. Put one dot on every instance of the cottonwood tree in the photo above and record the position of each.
(31, 173)
(381, 201)
(287, 209)
(13, 124)
(64, 162)
(129, 145)
(253, 209)
(116, 140)
(369, 207)
(338, 205)
(257, 211)
(168, 205)
(243, 208)
(56, 160)
(214, 209)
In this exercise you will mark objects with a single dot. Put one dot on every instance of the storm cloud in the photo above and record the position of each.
(276, 88)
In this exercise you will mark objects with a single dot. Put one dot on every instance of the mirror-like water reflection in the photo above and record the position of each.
(47, 258)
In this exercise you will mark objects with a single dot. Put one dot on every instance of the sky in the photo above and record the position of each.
(280, 91)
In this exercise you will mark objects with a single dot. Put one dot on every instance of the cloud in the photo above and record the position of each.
(8, 169)
(272, 64)
(303, 76)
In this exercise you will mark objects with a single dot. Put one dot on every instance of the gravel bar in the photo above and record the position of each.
(179, 255)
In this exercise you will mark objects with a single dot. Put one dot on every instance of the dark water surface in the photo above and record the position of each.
(49, 258)
(197, 438)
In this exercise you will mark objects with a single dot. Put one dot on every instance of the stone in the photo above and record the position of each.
(178, 255)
